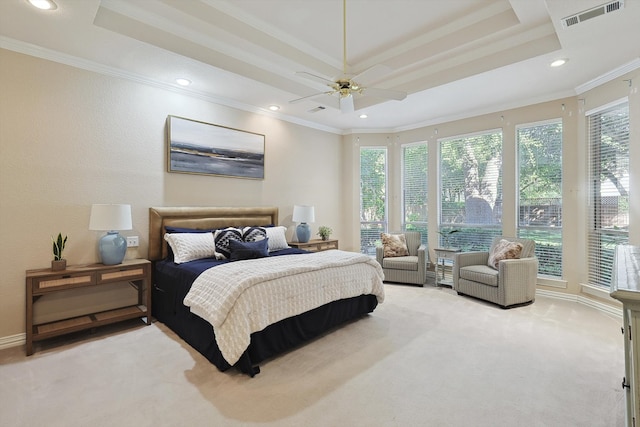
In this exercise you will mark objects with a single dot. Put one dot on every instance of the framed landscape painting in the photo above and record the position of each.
(204, 148)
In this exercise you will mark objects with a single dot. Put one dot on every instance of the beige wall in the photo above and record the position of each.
(70, 138)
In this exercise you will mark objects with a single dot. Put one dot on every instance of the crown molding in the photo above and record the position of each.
(609, 76)
(489, 110)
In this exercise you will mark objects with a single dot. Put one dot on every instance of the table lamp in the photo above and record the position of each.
(303, 215)
(111, 218)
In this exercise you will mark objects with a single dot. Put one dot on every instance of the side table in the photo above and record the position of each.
(443, 254)
(44, 281)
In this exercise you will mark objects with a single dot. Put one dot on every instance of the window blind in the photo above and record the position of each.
(414, 188)
(540, 192)
(609, 189)
(373, 200)
(471, 190)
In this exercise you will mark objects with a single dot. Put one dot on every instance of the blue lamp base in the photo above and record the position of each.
(303, 232)
(112, 247)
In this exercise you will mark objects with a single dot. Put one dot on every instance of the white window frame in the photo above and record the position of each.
(498, 228)
(370, 250)
(402, 189)
(517, 212)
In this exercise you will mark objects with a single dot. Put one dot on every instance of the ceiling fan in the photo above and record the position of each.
(345, 87)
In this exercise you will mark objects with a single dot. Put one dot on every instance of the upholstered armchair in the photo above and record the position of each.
(512, 283)
(410, 268)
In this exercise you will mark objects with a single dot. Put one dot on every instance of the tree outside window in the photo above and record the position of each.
(540, 192)
(471, 189)
(373, 197)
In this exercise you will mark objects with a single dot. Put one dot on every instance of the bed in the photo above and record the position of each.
(175, 284)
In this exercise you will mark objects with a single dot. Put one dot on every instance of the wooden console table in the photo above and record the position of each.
(45, 281)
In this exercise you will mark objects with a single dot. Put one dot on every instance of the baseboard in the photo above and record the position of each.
(606, 308)
(13, 341)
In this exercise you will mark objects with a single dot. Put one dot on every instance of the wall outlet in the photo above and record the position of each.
(132, 241)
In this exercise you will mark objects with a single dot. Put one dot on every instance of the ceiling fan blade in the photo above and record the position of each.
(346, 104)
(384, 93)
(372, 74)
(314, 77)
(315, 95)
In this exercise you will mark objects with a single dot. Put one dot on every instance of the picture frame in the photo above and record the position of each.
(201, 148)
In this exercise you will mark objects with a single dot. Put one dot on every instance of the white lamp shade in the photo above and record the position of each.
(110, 217)
(303, 213)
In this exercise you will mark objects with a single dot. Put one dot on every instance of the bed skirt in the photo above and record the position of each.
(275, 339)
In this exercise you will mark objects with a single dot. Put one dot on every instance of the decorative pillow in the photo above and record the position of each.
(190, 246)
(248, 250)
(222, 239)
(394, 245)
(277, 238)
(504, 249)
(253, 234)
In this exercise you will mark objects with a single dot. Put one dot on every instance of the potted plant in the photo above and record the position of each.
(446, 235)
(324, 232)
(58, 262)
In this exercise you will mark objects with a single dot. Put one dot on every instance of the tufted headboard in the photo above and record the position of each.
(202, 218)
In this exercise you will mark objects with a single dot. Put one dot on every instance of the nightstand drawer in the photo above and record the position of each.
(122, 274)
(70, 280)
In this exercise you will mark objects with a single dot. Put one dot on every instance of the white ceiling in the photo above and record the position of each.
(455, 58)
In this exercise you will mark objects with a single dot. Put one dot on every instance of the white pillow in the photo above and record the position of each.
(190, 246)
(277, 238)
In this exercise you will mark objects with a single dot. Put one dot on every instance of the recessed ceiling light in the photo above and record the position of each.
(43, 4)
(183, 82)
(274, 107)
(559, 62)
(363, 116)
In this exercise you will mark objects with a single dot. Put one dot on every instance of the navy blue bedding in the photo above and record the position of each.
(171, 283)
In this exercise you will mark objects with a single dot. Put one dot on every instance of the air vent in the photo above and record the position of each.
(318, 108)
(585, 15)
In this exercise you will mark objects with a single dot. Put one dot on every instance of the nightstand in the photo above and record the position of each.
(316, 245)
(45, 281)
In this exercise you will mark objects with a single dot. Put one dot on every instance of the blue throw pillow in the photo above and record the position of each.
(248, 250)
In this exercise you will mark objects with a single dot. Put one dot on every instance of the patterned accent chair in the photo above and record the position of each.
(512, 284)
(406, 269)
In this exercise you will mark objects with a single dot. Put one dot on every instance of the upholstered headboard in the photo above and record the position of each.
(202, 218)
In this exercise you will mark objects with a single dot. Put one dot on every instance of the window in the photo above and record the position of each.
(373, 197)
(414, 188)
(609, 189)
(471, 190)
(540, 192)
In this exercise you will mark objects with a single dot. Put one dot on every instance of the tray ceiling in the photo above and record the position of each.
(453, 58)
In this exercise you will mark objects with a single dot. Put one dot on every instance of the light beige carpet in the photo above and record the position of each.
(425, 357)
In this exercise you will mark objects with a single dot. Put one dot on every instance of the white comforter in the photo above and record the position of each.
(243, 297)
